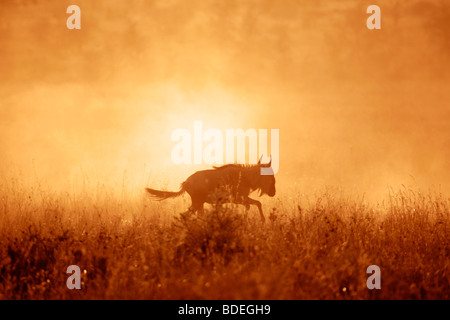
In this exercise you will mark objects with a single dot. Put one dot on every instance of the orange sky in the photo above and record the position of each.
(355, 108)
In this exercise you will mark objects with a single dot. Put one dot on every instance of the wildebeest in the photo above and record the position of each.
(230, 183)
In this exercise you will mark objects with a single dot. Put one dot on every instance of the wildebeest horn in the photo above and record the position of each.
(259, 161)
(267, 165)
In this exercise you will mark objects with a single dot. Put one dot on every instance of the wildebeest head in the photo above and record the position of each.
(267, 181)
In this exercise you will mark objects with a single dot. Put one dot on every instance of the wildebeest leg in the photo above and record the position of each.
(200, 209)
(250, 201)
(247, 208)
(197, 206)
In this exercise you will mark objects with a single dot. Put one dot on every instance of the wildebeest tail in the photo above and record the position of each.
(162, 195)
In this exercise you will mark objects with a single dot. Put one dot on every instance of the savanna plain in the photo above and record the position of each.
(312, 246)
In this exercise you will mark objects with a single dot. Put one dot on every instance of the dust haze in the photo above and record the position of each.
(356, 108)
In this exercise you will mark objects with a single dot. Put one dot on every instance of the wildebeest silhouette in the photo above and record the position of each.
(230, 183)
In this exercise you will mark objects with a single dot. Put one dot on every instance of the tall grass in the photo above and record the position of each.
(129, 247)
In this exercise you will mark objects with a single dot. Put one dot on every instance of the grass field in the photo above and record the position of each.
(311, 247)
